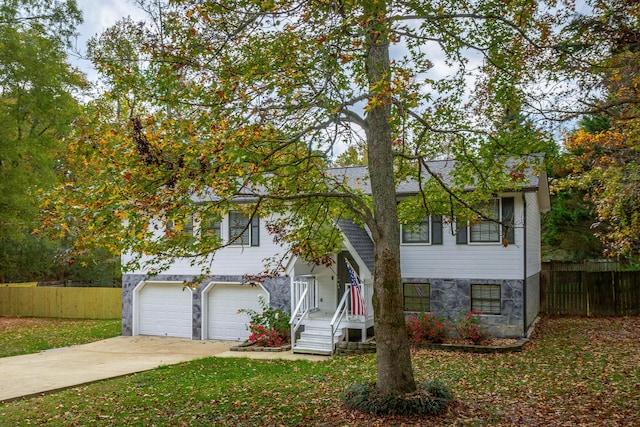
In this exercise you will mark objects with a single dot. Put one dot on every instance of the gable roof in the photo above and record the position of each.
(360, 240)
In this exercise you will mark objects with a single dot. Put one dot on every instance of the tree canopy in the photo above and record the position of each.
(214, 102)
(605, 148)
(37, 106)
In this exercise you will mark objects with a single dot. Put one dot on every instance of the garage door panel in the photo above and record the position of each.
(164, 309)
(223, 302)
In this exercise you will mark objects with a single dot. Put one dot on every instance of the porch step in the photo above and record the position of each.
(316, 340)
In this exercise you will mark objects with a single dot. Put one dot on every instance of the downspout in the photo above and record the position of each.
(524, 281)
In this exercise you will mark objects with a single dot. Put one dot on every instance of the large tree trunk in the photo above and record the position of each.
(394, 360)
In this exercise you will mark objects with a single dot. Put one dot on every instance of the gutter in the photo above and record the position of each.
(524, 281)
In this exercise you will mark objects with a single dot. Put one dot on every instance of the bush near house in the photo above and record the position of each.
(469, 327)
(428, 328)
(270, 328)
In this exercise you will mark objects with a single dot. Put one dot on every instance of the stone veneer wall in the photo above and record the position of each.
(450, 297)
(278, 288)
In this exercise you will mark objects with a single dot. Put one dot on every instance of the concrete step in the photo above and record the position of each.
(312, 347)
(316, 340)
(319, 322)
(319, 332)
(308, 350)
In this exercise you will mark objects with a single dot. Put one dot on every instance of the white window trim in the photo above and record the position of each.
(500, 235)
(403, 243)
(471, 298)
(170, 224)
(198, 227)
(226, 230)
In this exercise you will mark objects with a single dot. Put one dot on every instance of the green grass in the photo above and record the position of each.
(574, 372)
(30, 335)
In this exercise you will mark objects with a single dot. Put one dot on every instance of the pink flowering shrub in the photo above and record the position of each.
(426, 327)
(469, 327)
(264, 337)
(269, 328)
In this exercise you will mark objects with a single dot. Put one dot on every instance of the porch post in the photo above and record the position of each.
(292, 301)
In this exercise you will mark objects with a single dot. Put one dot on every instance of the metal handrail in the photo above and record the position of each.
(339, 315)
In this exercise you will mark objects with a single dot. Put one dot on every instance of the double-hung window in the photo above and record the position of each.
(243, 230)
(211, 227)
(429, 230)
(486, 298)
(487, 229)
(416, 232)
(497, 226)
(416, 297)
(179, 227)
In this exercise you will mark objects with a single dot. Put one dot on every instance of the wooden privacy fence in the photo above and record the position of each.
(590, 293)
(68, 303)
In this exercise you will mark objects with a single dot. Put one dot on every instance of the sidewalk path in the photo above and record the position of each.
(33, 374)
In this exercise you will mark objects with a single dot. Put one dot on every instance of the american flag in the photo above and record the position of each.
(358, 307)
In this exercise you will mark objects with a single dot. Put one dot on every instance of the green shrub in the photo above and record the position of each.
(429, 398)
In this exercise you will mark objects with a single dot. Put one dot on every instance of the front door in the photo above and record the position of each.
(343, 274)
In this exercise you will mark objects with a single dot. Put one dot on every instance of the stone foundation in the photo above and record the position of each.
(348, 348)
(450, 297)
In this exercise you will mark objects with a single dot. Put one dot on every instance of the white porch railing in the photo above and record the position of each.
(367, 289)
(304, 298)
(343, 312)
(340, 314)
(307, 285)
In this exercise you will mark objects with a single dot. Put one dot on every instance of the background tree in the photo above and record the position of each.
(37, 107)
(605, 150)
(245, 98)
(567, 229)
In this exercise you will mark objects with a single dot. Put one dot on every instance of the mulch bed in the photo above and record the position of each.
(249, 346)
(491, 345)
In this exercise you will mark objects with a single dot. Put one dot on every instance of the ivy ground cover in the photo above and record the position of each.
(574, 372)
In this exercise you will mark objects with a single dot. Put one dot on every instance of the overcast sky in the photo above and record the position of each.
(99, 15)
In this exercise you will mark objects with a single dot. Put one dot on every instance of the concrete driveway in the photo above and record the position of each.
(33, 374)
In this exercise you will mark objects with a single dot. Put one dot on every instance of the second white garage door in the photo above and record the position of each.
(164, 309)
(223, 302)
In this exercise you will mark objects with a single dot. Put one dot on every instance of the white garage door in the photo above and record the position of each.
(164, 309)
(223, 302)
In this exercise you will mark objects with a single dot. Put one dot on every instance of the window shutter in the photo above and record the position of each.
(255, 231)
(461, 234)
(436, 230)
(508, 231)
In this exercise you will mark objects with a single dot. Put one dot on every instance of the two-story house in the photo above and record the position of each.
(491, 265)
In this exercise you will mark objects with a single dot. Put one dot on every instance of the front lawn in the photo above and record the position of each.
(24, 335)
(574, 372)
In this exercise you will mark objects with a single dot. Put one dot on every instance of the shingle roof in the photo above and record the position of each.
(360, 240)
(358, 176)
